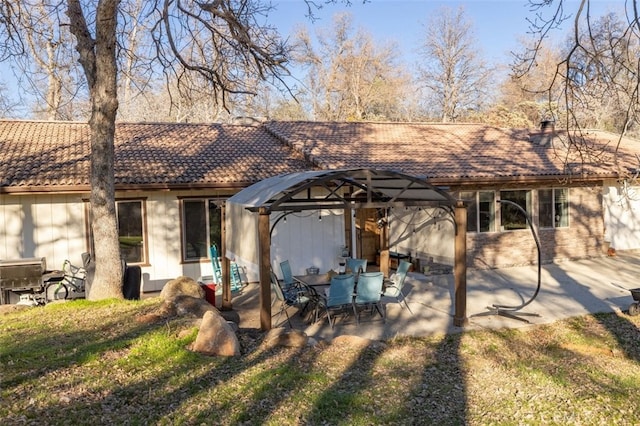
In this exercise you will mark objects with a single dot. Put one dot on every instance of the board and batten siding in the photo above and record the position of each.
(55, 227)
(621, 204)
(49, 226)
(306, 241)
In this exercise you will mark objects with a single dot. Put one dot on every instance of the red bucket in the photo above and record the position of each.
(210, 293)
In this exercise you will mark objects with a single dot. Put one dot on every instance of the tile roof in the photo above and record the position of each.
(447, 153)
(54, 156)
(51, 155)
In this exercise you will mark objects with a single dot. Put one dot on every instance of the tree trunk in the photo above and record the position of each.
(108, 276)
(98, 59)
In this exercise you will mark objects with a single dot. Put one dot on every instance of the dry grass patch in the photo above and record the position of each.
(108, 362)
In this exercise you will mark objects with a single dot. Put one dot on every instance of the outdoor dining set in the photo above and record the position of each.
(354, 291)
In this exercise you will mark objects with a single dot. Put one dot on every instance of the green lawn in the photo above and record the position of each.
(96, 363)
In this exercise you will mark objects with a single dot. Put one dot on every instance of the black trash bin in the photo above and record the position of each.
(131, 282)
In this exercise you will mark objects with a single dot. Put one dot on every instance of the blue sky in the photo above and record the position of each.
(497, 23)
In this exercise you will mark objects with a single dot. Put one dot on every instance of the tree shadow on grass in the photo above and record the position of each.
(142, 374)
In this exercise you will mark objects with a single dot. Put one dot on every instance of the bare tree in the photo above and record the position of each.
(47, 71)
(598, 75)
(6, 105)
(350, 76)
(452, 71)
(523, 98)
(237, 45)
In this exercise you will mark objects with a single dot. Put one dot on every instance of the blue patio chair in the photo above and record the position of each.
(340, 297)
(368, 294)
(236, 281)
(287, 299)
(356, 266)
(395, 283)
(290, 284)
(287, 275)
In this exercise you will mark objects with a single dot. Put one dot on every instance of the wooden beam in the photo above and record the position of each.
(226, 265)
(347, 228)
(265, 269)
(384, 250)
(460, 266)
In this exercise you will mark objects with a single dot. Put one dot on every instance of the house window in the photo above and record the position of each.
(201, 227)
(511, 218)
(553, 208)
(131, 230)
(481, 212)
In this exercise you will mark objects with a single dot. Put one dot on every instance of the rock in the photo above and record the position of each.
(281, 337)
(189, 305)
(216, 337)
(231, 316)
(182, 286)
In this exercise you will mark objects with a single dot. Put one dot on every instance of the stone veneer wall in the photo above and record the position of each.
(583, 238)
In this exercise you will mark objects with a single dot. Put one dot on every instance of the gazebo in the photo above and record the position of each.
(248, 225)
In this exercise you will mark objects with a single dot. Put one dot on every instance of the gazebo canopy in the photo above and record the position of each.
(347, 188)
(247, 235)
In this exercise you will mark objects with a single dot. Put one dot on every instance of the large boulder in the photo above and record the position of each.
(184, 305)
(216, 337)
(182, 286)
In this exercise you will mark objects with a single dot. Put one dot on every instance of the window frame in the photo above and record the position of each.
(528, 208)
(474, 204)
(207, 201)
(145, 236)
(555, 194)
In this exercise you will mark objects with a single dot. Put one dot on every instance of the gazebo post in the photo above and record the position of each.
(384, 250)
(347, 213)
(226, 266)
(460, 266)
(265, 268)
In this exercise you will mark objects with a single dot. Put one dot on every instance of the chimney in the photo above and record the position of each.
(547, 127)
(547, 131)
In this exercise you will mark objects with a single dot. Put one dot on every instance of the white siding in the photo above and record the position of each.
(305, 241)
(54, 227)
(621, 205)
(50, 226)
(11, 227)
(422, 233)
(164, 243)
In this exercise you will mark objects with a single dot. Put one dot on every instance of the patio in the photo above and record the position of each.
(249, 229)
(571, 288)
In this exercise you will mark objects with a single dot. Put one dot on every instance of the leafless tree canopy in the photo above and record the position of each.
(349, 75)
(222, 41)
(452, 71)
(596, 81)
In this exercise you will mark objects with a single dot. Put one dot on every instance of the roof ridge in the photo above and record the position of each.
(296, 146)
(41, 121)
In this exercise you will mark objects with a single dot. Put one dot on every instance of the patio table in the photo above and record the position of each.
(313, 280)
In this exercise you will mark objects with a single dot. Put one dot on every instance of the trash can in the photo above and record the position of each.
(210, 292)
(131, 282)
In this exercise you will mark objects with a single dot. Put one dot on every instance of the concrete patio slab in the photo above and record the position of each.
(568, 289)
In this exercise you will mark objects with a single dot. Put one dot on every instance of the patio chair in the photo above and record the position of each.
(340, 296)
(395, 283)
(287, 275)
(356, 266)
(236, 280)
(368, 294)
(288, 299)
